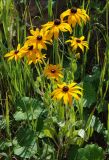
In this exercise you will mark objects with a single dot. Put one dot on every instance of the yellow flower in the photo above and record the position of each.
(14, 54)
(36, 58)
(75, 16)
(39, 38)
(55, 26)
(32, 53)
(78, 42)
(66, 92)
(28, 50)
(53, 71)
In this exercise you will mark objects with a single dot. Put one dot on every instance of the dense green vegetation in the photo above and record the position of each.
(33, 125)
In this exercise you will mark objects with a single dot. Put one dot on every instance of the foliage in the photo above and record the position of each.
(54, 105)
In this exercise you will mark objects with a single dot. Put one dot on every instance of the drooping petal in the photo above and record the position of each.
(64, 14)
(81, 46)
(65, 98)
(56, 32)
(9, 54)
(82, 38)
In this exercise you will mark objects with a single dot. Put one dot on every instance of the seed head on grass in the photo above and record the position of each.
(66, 92)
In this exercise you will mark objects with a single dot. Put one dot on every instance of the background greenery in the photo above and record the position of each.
(28, 130)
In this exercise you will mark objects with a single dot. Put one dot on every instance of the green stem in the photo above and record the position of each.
(50, 12)
(56, 57)
(108, 126)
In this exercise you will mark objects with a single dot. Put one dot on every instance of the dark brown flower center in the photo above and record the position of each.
(57, 22)
(16, 51)
(65, 89)
(73, 10)
(39, 38)
(53, 71)
(78, 40)
(30, 47)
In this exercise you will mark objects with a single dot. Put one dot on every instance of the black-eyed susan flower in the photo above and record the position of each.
(53, 71)
(36, 58)
(53, 28)
(66, 92)
(39, 38)
(75, 16)
(14, 54)
(28, 50)
(78, 43)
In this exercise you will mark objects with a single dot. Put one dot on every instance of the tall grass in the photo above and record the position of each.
(24, 92)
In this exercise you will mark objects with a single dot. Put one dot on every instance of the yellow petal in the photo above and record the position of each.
(10, 58)
(56, 32)
(18, 47)
(75, 96)
(82, 38)
(64, 14)
(74, 47)
(65, 98)
(9, 54)
(81, 47)
(70, 98)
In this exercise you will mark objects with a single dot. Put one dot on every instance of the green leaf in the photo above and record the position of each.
(50, 12)
(90, 152)
(90, 86)
(47, 153)
(28, 108)
(89, 93)
(19, 115)
(4, 156)
(2, 123)
(25, 143)
(25, 152)
(98, 126)
(4, 144)
(25, 103)
(25, 136)
(47, 133)
(72, 153)
(74, 66)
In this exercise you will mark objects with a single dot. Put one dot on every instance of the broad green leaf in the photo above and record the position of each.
(47, 133)
(98, 126)
(28, 108)
(25, 136)
(25, 143)
(47, 152)
(25, 103)
(4, 144)
(19, 115)
(25, 152)
(90, 152)
(89, 93)
(4, 156)
(90, 86)
(72, 152)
